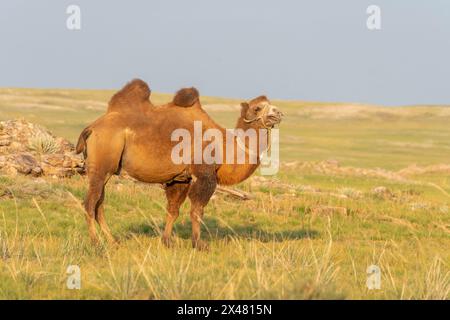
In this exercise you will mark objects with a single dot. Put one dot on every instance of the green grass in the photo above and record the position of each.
(309, 233)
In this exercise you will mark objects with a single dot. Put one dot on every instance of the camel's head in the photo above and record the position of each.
(261, 113)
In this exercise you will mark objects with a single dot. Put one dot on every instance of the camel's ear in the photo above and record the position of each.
(186, 97)
(244, 108)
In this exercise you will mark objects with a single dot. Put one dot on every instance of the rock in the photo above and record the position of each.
(10, 171)
(16, 146)
(308, 188)
(24, 163)
(2, 161)
(55, 160)
(351, 193)
(382, 192)
(36, 171)
(56, 171)
(332, 162)
(30, 149)
(65, 146)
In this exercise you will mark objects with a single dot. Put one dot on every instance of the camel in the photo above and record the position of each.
(135, 136)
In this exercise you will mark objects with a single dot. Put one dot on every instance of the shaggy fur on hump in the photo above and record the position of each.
(186, 97)
(133, 94)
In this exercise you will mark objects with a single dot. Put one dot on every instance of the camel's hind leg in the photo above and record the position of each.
(100, 217)
(93, 196)
(176, 193)
(103, 160)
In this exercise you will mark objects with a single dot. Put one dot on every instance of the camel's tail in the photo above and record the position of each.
(81, 144)
(186, 97)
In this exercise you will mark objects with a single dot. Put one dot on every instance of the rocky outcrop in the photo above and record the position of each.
(30, 149)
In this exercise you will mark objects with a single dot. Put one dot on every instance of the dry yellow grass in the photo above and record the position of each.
(290, 241)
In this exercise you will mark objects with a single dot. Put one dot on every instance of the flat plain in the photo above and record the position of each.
(358, 185)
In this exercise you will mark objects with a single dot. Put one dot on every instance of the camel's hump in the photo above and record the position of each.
(135, 91)
(186, 97)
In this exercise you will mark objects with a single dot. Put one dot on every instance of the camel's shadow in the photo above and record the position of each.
(212, 229)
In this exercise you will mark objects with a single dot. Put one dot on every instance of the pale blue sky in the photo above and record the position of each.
(309, 50)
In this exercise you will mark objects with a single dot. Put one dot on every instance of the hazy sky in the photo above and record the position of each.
(309, 50)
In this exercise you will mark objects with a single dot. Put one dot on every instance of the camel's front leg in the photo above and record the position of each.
(176, 193)
(199, 194)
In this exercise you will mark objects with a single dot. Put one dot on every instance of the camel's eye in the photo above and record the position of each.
(257, 109)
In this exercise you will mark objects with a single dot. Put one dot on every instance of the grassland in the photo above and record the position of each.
(310, 232)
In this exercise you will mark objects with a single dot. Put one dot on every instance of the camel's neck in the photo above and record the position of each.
(232, 172)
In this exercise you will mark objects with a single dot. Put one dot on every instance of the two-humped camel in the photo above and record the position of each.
(135, 136)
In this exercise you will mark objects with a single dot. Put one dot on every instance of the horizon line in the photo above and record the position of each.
(353, 103)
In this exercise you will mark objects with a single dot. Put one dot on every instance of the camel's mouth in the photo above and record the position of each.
(273, 117)
(272, 120)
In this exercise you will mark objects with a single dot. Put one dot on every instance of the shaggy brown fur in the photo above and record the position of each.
(140, 143)
(133, 97)
(186, 97)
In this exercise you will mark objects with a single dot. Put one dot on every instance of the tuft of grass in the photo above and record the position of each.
(437, 281)
(43, 143)
(351, 193)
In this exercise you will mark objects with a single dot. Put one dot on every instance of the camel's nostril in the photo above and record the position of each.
(274, 111)
(278, 112)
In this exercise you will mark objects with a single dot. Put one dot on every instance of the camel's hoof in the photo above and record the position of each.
(95, 242)
(113, 243)
(167, 241)
(200, 245)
